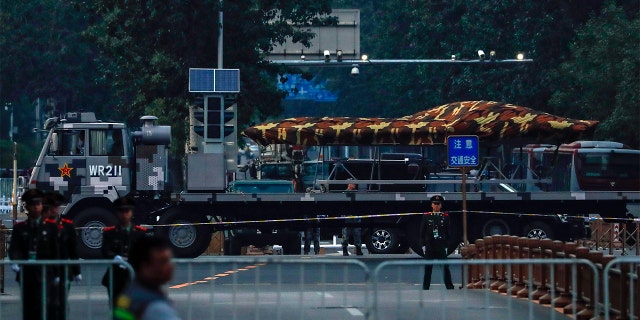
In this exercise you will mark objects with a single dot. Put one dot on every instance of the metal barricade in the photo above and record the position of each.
(86, 299)
(271, 288)
(622, 288)
(398, 293)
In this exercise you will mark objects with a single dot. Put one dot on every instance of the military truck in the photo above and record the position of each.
(93, 162)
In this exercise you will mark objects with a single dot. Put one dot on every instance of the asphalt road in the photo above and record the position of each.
(302, 287)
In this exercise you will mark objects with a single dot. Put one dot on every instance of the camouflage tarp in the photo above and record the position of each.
(489, 120)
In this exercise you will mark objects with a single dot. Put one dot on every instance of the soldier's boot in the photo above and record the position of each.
(359, 251)
(345, 252)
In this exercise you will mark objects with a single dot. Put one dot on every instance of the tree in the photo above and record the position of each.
(150, 45)
(602, 79)
(43, 55)
(542, 30)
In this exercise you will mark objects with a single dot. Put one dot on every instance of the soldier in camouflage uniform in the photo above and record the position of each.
(435, 234)
(116, 244)
(64, 236)
(32, 240)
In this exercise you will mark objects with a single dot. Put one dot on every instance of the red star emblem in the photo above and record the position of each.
(65, 170)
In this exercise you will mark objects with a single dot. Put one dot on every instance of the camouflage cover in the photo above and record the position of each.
(489, 120)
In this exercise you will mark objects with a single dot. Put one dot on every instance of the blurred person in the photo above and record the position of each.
(309, 234)
(31, 240)
(351, 231)
(144, 298)
(117, 242)
(436, 232)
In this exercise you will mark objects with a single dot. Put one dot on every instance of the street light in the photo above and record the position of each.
(355, 71)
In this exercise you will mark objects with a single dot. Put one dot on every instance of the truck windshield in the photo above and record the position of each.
(70, 143)
(610, 165)
(106, 142)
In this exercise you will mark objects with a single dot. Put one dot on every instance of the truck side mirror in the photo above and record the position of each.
(53, 148)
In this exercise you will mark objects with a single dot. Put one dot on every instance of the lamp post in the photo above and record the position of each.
(9, 106)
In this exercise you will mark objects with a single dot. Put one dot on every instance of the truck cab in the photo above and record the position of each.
(92, 163)
(83, 158)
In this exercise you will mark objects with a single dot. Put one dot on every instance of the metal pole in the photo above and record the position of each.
(220, 33)
(3, 253)
(37, 129)
(464, 206)
(11, 124)
(14, 188)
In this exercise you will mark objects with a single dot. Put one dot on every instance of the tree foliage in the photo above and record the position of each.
(543, 30)
(150, 45)
(602, 78)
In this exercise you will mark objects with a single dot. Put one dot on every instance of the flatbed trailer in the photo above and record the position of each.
(559, 215)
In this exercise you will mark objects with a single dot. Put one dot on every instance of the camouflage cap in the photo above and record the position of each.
(437, 198)
(32, 195)
(124, 203)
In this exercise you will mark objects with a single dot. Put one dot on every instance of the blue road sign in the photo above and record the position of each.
(463, 151)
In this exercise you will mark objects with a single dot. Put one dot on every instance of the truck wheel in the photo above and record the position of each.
(382, 241)
(495, 226)
(186, 239)
(538, 230)
(92, 221)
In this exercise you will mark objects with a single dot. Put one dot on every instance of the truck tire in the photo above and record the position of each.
(382, 241)
(92, 221)
(495, 226)
(538, 230)
(186, 239)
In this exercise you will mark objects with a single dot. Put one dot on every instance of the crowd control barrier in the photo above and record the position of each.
(86, 299)
(477, 274)
(271, 288)
(599, 286)
(499, 277)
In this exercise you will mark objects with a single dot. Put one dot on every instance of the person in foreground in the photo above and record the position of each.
(144, 298)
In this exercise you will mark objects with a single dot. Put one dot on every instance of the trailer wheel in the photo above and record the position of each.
(495, 226)
(92, 221)
(538, 230)
(187, 238)
(382, 241)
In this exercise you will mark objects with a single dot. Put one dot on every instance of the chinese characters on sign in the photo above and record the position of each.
(463, 151)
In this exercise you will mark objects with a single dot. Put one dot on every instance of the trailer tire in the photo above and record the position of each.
(186, 239)
(538, 230)
(382, 241)
(92, 221)
(495, 226)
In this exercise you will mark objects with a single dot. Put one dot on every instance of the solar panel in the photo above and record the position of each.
(214, 80)
(227, 80)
